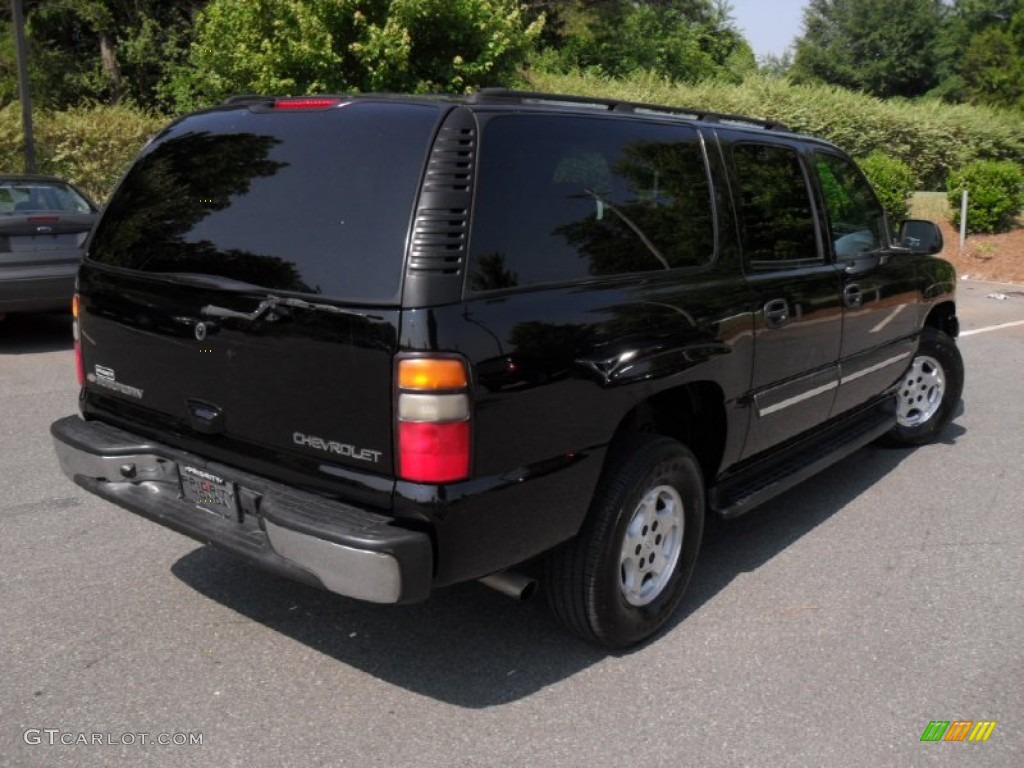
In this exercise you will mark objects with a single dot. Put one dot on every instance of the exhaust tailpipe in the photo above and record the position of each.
(514, 585)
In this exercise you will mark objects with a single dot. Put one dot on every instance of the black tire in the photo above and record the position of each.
(584, 579)
(929, 392)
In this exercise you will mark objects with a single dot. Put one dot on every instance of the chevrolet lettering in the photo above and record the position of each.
(555, 333)
(341, 449)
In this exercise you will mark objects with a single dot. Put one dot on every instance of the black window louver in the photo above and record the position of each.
(439, 240)
(441, 229)
(451, 161)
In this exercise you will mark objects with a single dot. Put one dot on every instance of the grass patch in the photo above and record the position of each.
(930, 205)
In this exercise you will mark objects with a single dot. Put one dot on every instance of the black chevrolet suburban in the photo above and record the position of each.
(382, 344)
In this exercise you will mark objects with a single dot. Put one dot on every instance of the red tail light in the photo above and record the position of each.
(433, 453)
(79, 364)
(433, 420)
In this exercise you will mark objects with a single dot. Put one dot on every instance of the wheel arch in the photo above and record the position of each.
(942, 317)
(693, 413)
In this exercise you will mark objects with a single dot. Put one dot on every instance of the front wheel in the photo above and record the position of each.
(622, 577)
(929, 392)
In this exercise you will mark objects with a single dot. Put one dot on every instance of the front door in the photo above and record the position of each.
(879, 287)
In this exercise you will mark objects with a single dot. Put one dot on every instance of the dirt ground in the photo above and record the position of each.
(997, 258)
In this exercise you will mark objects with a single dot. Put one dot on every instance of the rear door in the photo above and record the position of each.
(241, 291)
(797, 294)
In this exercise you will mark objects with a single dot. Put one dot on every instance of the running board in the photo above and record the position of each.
(766, 478)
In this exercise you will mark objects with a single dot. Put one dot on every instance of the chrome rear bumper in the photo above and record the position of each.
(344, 549)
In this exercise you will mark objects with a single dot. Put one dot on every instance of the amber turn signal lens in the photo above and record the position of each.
(431, 373)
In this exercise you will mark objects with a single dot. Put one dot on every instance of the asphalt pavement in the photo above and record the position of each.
(828, 628)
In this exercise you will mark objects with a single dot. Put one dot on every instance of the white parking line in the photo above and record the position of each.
(991, 328)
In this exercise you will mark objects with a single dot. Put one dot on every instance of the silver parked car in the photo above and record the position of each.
(44, 223)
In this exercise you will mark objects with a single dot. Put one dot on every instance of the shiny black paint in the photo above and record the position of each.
(880, 294)
(798, 322)
(550, 393)
(312, 372)
(881, 326)
(793, 358)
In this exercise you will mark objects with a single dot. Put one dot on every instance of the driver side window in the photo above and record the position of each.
(856, 219)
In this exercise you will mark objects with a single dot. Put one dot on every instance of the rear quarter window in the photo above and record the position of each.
(567, 198)
(313, 202)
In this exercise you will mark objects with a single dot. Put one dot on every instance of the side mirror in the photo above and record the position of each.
(921, 237)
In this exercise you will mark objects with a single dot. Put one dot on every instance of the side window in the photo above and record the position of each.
(776, 217)
(856, 220)
(566, 198)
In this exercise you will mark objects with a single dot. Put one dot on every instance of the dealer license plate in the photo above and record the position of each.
(208, 491)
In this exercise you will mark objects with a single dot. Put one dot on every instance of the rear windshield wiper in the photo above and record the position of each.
(271, 303)
(268, 304)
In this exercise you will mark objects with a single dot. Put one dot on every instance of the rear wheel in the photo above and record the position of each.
(622, 577)
(929, 392)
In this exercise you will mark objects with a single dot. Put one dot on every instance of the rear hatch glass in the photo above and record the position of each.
(315, 202)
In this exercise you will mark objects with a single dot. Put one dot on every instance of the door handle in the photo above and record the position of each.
(776, 313)
(865, 262)
(852, 296)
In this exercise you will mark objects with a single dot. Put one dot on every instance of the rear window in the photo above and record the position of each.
(568, 198)
(776, 217)
(33, 196)
(314, 202)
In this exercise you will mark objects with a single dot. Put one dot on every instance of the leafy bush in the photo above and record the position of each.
(995, 195)
(929, 136)
(89, 146)
(893, 181)
(289, 47)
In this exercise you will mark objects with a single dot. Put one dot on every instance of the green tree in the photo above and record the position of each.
(964, 22)
(882, 47)
(447, 45)
(776, 66)
(305, 46)
(992, 70)
(8, 65)
(102, 50)
(683, 40)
